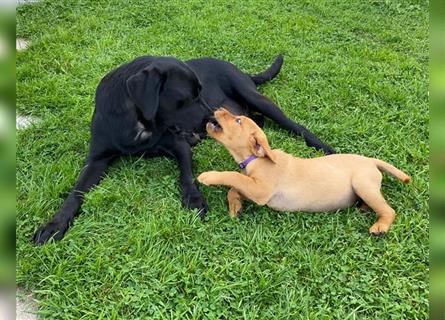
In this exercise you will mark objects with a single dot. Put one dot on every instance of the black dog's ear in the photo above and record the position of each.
(143, 89)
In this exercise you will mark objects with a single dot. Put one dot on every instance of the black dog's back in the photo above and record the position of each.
(211, 69)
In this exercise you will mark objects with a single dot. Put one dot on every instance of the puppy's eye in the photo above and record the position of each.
(238, 120)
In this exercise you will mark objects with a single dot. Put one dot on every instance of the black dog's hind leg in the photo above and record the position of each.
(259, 103)
(91, 174)
(178, 148)
(258, 119)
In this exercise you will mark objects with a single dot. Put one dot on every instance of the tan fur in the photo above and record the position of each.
(287, 183)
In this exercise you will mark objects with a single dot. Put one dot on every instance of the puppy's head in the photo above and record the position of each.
(239, 134)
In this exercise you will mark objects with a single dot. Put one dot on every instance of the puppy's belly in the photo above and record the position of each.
(301, 201)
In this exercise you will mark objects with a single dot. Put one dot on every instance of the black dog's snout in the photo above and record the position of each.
(210, 118)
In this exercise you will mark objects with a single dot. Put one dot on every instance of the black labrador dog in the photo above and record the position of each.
(156, 106)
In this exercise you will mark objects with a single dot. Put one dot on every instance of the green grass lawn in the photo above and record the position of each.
(355, 73)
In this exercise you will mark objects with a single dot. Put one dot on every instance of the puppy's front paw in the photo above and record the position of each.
(207, 178)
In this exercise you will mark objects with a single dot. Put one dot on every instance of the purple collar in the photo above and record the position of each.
(244, 164)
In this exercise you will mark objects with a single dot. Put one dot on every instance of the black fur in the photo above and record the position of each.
(159, 106)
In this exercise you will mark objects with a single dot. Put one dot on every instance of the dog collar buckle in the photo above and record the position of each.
(244, 163)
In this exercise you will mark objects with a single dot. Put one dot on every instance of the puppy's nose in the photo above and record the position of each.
(221, 112)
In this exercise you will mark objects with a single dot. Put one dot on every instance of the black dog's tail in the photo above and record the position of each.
(270, 73)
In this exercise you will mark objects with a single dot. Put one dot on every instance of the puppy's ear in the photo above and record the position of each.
(260, 147)
(143, 89)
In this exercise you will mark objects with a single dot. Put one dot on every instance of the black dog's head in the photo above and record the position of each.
(166, 84)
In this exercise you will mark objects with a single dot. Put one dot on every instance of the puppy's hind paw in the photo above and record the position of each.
(235, 210)
(378, 229)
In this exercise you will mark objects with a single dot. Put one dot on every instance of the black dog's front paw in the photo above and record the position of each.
(52, 229)
(195, 200)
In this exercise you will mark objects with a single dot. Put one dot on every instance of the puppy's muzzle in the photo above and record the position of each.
(213, 125)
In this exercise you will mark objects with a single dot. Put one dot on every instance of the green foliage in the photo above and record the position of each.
(355, 73)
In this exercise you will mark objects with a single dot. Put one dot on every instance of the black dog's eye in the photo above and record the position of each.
(238, 120)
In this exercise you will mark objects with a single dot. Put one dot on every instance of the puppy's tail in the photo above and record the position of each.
(389, 168)
(270, 73)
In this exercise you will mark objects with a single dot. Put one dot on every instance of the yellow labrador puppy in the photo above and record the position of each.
(284, 182)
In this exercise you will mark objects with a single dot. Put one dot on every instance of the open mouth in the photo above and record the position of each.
(214, 125)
